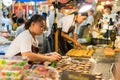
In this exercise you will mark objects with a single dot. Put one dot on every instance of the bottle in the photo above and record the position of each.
(113, 38)
(111, 22)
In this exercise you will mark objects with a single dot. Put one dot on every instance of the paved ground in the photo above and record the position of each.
(103, 64)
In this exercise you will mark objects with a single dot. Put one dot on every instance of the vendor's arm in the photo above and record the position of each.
(75, 36)
(76, 44)
(25, 49)
(66, 36)
(40, 57)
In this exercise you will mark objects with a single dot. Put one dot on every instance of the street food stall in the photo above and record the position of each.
(93, 62)
(97, 66)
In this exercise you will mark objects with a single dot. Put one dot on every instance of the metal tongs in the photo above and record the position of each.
(88, 47)
(79, 48)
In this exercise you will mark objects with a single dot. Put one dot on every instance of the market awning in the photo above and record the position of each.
(29, 0)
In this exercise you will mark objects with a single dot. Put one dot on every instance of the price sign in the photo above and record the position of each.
(68, 75)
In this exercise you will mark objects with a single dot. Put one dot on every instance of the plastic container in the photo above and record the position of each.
(9, 64)
(36, 78)
(44, 72)
(10, 75)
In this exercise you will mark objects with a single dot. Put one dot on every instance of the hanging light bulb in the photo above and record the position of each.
(108, 2)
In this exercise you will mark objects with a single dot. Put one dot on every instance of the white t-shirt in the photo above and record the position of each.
(66, 22)
(90, 20)
(108, 16)
(106, 19)
(22, 43)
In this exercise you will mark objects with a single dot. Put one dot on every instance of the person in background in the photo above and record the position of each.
(26, 45)
(67, 31)
(87, 26)
(108, 21)
(14, 21)
(1, 23)
(20, 28)
(97, 24)
(118, 16)
(51, 25)
(90, 20)
(6, 23)
(118, 22)
(52, 17)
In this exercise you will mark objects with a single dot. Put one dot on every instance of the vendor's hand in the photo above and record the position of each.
(117, 50)
(54, 57)
(78, 45)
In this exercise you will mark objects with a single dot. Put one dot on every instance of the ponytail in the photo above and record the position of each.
(27, 24)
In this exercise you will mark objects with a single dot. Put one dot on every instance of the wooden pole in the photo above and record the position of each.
(56, 21)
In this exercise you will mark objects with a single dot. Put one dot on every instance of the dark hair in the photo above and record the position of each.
(75, 13)
(82, 14)
(20, 20)
(34, 18)
(118, 12)
(59, 6)
(44, 15)
(108, 6)
(14, 17)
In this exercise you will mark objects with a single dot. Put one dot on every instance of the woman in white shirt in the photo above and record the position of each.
(26, 44)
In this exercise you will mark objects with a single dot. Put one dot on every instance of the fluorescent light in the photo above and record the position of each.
(85, 8)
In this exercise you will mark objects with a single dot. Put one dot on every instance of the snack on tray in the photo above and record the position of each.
(80, 53)
(109, 51)
(74, 65)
